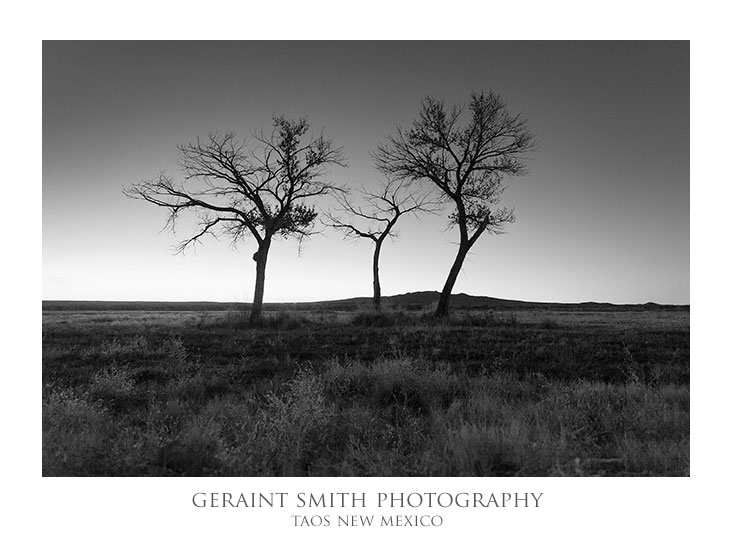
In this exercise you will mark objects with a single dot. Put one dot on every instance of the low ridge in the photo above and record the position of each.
(417, 300)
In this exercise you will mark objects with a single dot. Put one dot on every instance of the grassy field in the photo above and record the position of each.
(482, 393)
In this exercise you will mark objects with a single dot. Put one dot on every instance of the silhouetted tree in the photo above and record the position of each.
(265, 192)
(467, 162)
(376, 217)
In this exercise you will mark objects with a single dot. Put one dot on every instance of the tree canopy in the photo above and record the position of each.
(236, 190)
(466, 157)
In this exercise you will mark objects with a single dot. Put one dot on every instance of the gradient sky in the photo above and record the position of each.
(602, 215)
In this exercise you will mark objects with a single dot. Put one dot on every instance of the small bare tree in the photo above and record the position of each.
(375, 218)
(467, 162)
(264, 192)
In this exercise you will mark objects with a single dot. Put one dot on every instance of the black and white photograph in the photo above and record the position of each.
(350, 268)
(462, 258)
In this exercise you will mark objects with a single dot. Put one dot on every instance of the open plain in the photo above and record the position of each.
(335, 389)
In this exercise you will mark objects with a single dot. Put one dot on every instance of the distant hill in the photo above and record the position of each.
(419, 300)
(427, 300)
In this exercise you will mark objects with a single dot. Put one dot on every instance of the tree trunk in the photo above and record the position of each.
(444, 301)
(377, 299)
(260, 258)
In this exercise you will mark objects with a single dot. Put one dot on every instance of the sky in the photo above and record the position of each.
(602, 215)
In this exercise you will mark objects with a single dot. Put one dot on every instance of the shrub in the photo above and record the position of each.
(283, 435)
(195, 451)
(198, 386)
(113, 383)
(137, 345)
(480, 450)
(292, 423)
(74, 438)
(398, 381)
(174, 349)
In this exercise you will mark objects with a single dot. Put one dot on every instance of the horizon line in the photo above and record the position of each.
(366, 298)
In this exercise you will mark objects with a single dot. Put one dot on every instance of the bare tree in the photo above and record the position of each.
(376, 217)
(466, 161)
(263, 192)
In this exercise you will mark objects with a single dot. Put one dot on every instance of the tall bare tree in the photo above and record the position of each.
(467, 161)
(233, 190)
(375, 218)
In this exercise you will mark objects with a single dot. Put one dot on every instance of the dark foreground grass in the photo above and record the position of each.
(398, 394)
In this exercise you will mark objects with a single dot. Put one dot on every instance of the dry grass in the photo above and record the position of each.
(394, 394)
